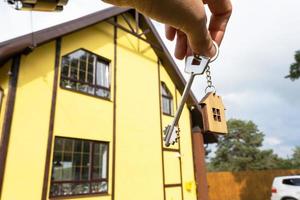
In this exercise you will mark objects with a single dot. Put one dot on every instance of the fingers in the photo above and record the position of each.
(181, 45)
(198, 36)
(170, 32)
(201, 42)
(221, 12)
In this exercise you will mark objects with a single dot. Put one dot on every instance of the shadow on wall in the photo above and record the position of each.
(249, 185)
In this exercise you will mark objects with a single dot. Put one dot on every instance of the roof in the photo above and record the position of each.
(24, 44)
(204, 100)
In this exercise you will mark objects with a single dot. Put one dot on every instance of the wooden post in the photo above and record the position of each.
(199, 162)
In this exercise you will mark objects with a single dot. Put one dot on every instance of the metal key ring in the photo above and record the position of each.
(216, 54)
(212, 88)
(212, 59)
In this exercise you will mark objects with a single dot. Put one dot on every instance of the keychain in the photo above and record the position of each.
(195, 65)
(213, 110)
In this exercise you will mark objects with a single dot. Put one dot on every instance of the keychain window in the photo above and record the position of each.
(167, 100)
(216, 114)
(86, 72)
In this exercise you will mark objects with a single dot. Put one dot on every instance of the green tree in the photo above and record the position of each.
(295, 68)
(240, 149)
(296, 157)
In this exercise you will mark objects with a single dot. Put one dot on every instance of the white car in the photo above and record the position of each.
(286, 188)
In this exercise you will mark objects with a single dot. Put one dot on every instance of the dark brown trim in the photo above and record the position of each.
(52, 117)
(199, 164)
(179, 141)
(8, 116)
(161, 130)
(85, 83)
(83, 181)
(86, 94)
(171, 150)
(104, 59)
(18, 45)
(173, 185)
(127, 22)
(114, 111)
(1, 98)
(153, 45)
(80, 196)
(137, 27)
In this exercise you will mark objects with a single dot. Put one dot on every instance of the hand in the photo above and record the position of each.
(186, 19)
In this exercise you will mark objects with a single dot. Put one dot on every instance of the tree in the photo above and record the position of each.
(240, 149)
(295, 68)
(296, 157)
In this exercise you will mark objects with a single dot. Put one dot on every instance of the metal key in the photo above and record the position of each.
(195, 65)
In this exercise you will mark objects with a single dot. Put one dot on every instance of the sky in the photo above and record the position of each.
(255, 56)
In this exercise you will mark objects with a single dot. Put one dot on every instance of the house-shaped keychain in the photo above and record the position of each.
(213, 112)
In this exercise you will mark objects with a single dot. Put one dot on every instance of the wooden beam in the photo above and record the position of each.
(52, 117)
(134, 34)
(8, 116)
(137, 28)
(128, 23)
(161, 132)
(144, 32)
(114, 111)
(199, 164)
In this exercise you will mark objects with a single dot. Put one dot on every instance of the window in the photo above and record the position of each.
(216, 114)
(292, 181)
(1, 97)
(79, 167)
(85, 72)
(167, 100)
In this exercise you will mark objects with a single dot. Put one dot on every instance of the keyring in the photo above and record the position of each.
(212, 59)
(212, 88)
(216, 54)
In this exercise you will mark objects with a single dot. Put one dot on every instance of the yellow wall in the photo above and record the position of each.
(24, 170)
(4, 78)
(139, 158)
(82, 116)
(173, 160)
(186, 151)
(138, 142)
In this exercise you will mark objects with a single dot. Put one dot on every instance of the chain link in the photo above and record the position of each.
(209, 81)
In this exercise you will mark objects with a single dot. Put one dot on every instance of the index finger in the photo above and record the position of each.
(221, 11)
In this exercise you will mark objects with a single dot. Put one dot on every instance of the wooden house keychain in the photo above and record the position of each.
(198, 65)
(213, 110)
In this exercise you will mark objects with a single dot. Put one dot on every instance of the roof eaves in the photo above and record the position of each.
(20, 44)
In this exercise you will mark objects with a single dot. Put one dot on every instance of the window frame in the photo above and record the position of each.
(291, 182)
(95, 86)
(91, 167)
(169, 98)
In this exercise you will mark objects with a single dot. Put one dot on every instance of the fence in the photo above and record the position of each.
(249, 185)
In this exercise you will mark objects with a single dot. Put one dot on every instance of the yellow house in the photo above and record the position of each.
(82, 109)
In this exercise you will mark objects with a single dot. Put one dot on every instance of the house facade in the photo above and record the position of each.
(83, 106)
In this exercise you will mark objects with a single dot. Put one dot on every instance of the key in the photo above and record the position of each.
(195, 65)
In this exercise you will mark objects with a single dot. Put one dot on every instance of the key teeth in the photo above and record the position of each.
(174, 140)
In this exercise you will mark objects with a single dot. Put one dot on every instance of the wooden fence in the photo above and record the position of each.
(249, 185)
